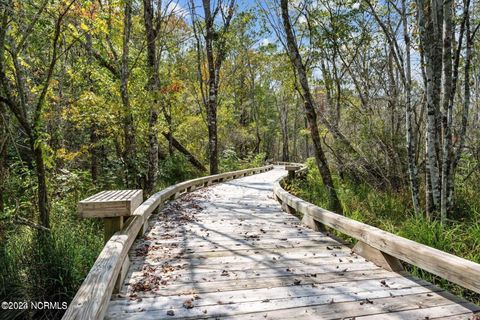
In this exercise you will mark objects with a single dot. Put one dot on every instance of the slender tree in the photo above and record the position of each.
(215, 50)
(309, 105)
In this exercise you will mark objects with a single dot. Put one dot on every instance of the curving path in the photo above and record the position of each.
(229, 251)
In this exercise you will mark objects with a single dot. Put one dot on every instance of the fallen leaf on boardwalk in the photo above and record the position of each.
(188, 304)
(225, 273)
(366, 301)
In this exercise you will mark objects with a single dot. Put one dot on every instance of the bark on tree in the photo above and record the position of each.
(456, 153)
(151, 33)
(309, 105)
(447, 106)
(214, 39)
(3, 154)
(437, 36)
(410, 139)
(429, 17)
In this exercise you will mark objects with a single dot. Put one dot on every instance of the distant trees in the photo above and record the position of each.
(404, 86)
(127, 91)
(442, 55)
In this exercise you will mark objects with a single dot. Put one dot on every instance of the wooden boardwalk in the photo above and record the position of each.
(229, 251)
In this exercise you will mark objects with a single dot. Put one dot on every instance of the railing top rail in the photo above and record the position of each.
(458, 270)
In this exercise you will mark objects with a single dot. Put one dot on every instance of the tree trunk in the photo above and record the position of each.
(212, 90)
(410, 139)
(42, 192)
(214, 39)
(93, 153)
(429, 37)
(447, 106)
(128, 125)
(197, 164)
(153, 85)
(3, 155)
(296, 60)
(466, 103)
(285, 151)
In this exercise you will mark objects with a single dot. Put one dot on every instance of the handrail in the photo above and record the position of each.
(91, 299)
(458, 270)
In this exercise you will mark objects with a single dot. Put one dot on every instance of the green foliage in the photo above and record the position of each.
(176, 168)
(229, 161)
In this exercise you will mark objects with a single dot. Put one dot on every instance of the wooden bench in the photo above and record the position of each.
(112, 206)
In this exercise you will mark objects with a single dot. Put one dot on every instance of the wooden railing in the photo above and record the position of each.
(381, 247)
(91, 300)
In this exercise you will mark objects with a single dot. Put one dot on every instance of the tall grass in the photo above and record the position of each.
(391, 211)
(37, 266)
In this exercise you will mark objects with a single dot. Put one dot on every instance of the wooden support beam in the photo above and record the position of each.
(121, 275)
(378, 257)
(313, 224)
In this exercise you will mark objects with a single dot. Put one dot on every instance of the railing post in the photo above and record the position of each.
(110, 226)
(313, 224)
(378, 257)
